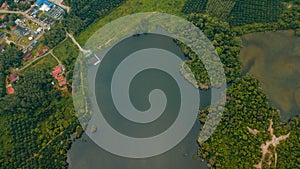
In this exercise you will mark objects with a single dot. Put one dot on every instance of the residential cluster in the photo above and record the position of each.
(29, 26)
(58, 74)
(12, 79)
(24, 29)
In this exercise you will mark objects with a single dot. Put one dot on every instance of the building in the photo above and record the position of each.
(10, 89)
(45, 8)
(61, 80)
(56, 12)
(3, 5)
(57, 74)
(20, 31)
(27, 57)
(50, 8)
(13, 77)
(18, 21)
(40, 53)
(44, 2)
(57, 71)
(3, 16)
(2, 35)
(33, 11)
(38, 31)
(33, 44)
(4, 25)
(2, 48)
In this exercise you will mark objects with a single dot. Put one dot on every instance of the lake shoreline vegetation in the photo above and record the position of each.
(247, 106)
(38, 124)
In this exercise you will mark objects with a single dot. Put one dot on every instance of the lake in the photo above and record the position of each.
(85, 154)
(274, 59)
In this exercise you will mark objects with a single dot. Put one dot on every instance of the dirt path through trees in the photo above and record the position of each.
(265, 148)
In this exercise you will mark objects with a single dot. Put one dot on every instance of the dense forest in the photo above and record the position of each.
(37, 121)
(54, 36)
(85, 12)
(192, 6)
(232, 145)
(238, 12)
(255, 11)
(40, 121)
(2, 76)
(10, 58)
(226, 43)
(21, 5)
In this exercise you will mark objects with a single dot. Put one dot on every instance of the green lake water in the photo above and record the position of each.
(274, 59)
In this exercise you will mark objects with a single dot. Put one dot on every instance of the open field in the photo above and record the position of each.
(48, 61)
(24, 41)
(130, 7)
(67, 53)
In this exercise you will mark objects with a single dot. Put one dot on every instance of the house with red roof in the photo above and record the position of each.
(60, 78)
(3, 16)
(13, 77)
(3, 5)
(57, 74)
(57, 71)
(27, 57)
(10, 89)
(40, 53)
(62, 82)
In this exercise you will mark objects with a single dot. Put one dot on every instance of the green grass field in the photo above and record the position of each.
(130, 7)
(67, 53)
(48, 61)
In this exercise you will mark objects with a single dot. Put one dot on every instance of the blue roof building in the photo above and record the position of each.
(41, 2)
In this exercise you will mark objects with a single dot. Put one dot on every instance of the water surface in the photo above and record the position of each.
(85, 154)
(274, 59)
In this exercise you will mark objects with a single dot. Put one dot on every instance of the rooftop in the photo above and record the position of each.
(44, 2)
(27, 57)
(57, 71)
(13, 77)
(10, 89)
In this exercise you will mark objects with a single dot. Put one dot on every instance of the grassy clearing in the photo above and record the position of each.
(67, 53)
(130, 7)
(48, 61)
(38, 48)
(24, 41)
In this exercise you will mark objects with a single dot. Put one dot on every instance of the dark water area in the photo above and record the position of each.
(85, 154)
(274, 59)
